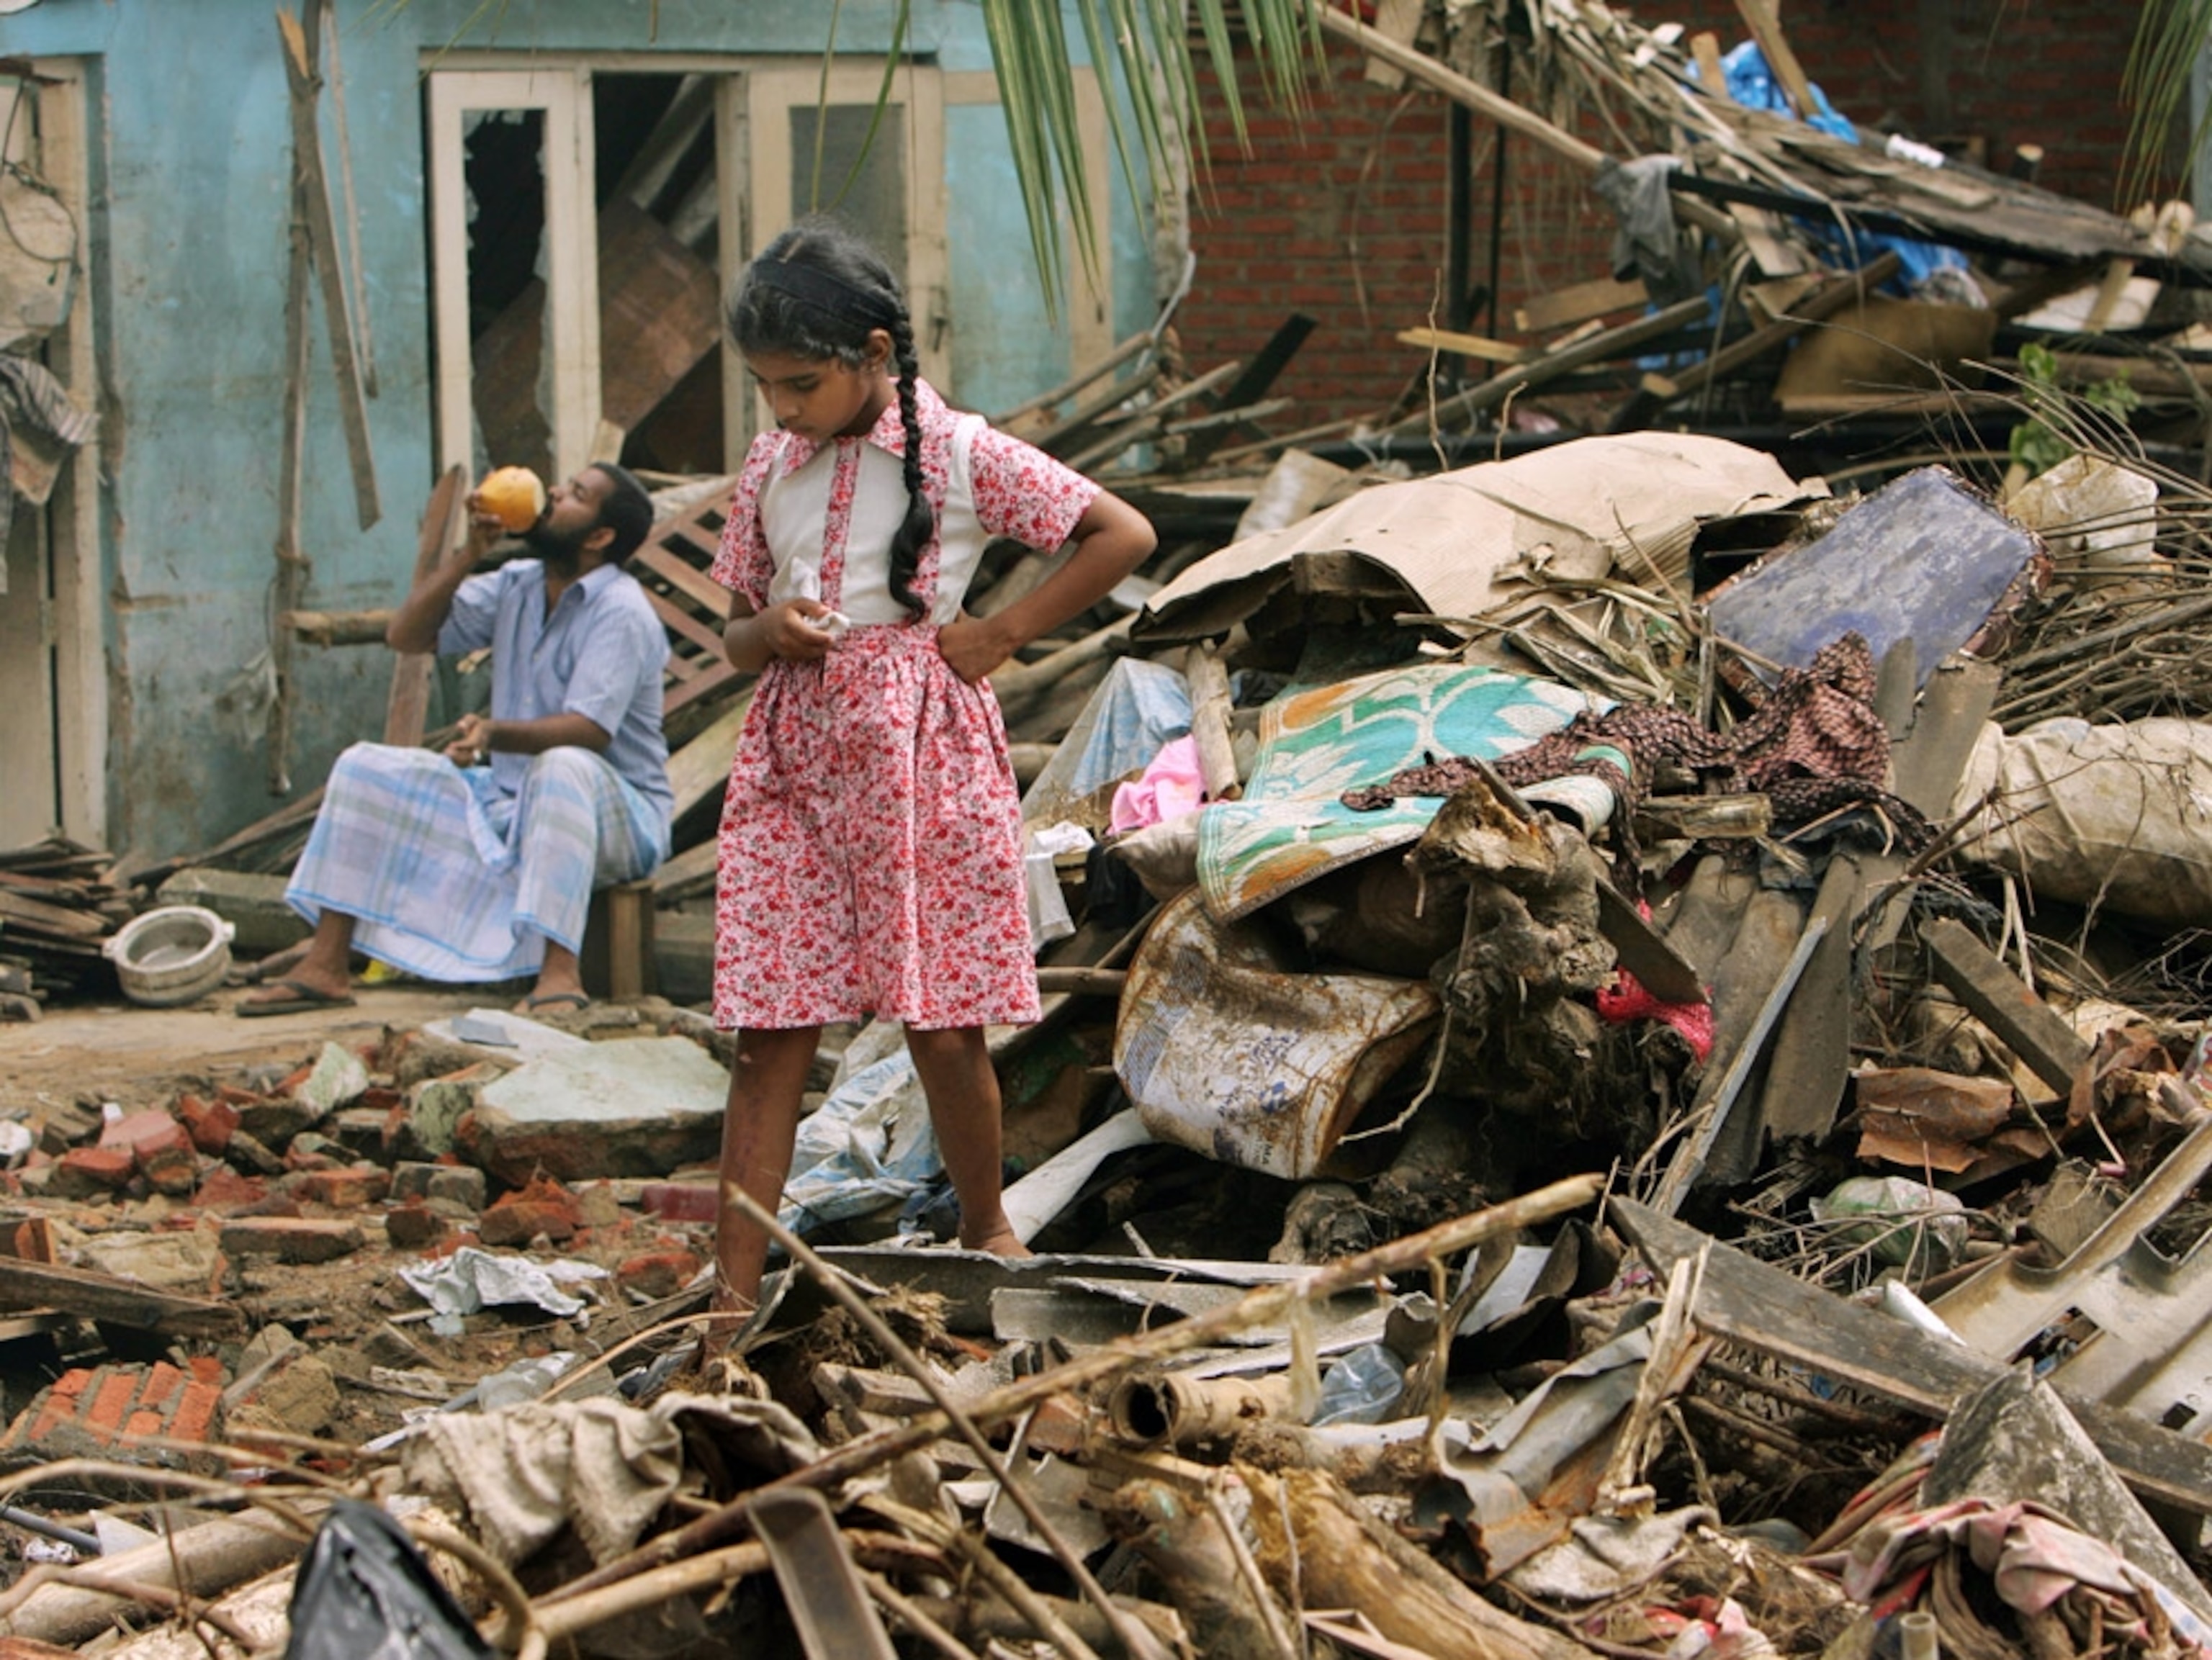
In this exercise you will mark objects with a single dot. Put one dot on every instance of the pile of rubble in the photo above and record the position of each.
(1578, 1111)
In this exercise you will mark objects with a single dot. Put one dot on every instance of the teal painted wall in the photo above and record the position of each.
(193, 141)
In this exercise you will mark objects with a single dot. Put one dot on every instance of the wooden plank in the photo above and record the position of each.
(36, 915)
(124, 1302)
(686, 577)
(694, 865)
(1746, 1301)
(1467, 345)
(1705, 51)
(408, 708)
(1578, 304)
(1209, 721)
(702, 766)
(1763, 20)
(710, 679)
(681, 623)
(1400, 20)
(1998, 998)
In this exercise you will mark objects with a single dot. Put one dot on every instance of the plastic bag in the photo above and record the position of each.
(1363, 1387)
(365, 1593)
(1907, 1224)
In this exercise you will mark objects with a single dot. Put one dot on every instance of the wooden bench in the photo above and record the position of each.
(617, 960)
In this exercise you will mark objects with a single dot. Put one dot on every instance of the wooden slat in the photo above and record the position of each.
(708, 680)
(688, 628)
(124, 1302)
(694, 583)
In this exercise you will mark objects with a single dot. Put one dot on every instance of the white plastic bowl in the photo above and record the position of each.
(175, 954)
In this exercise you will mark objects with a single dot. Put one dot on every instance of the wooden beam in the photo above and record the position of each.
(312, 201)
(1456, 86)
(2002, 1000)
(409, 707)
(92, 1296)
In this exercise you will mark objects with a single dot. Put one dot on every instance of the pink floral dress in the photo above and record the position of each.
(870, 860)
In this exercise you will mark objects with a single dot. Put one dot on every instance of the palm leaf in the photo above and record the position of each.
(2170, 36)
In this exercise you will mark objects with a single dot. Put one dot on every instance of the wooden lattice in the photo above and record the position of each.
(672, 564)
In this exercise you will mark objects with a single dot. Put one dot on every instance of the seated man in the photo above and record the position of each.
(478, 864)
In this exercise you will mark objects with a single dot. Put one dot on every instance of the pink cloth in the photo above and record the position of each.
(2032, 1557)
(1629, 999)
(1171, 786)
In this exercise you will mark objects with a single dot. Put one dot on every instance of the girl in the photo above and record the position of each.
(871, 849)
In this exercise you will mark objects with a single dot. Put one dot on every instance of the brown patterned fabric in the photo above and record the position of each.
(1813, 746)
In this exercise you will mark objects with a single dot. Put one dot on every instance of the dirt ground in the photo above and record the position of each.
(121, 1052)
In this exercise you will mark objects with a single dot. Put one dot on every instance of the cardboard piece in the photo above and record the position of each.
(1450, 542)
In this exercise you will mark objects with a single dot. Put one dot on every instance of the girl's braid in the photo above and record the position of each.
(920, 523)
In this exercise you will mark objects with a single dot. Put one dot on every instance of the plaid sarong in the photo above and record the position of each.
(450, 879)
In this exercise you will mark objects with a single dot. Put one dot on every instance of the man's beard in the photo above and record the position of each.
(562, 550)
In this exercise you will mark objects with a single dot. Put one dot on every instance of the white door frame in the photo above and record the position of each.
(572, 277)
(754, 144)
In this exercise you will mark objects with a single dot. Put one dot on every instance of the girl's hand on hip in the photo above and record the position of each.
(973, 646)
(787, 630)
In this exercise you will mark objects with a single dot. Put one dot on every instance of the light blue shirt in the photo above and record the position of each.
(600, 654)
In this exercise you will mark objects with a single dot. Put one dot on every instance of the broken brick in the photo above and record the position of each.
(348, 1188)
(544, 1207)
(458, 1185)
(656, 1273)
(679, 1202)
(210, 1124)
(413, 1225)
(98, 1413)
(291, 1238)
(226, 1189)
(83, 1172)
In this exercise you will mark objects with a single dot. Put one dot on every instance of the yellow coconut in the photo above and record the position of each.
(515, 495)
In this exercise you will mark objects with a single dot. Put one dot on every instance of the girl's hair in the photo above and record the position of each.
(818, 291)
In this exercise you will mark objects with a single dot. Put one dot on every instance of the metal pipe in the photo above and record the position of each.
(31, 1522)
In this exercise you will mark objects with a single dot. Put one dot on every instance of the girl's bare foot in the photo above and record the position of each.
(1000, 1241)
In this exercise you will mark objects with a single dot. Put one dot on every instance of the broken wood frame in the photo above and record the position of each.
(53, 673)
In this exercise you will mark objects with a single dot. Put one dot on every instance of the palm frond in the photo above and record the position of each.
(2171, 36)
(1148, 42)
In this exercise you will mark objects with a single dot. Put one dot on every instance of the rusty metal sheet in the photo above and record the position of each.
(1229, 1052)
(821, 1584)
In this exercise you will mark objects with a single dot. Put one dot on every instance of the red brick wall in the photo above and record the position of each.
(1342, 216)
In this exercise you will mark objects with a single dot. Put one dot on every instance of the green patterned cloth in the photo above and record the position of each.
(1290, 828)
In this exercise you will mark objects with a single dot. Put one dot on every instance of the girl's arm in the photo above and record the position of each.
(1111, 539)
(750, 638)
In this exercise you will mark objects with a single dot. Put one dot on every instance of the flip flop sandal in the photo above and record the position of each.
(300, 997)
